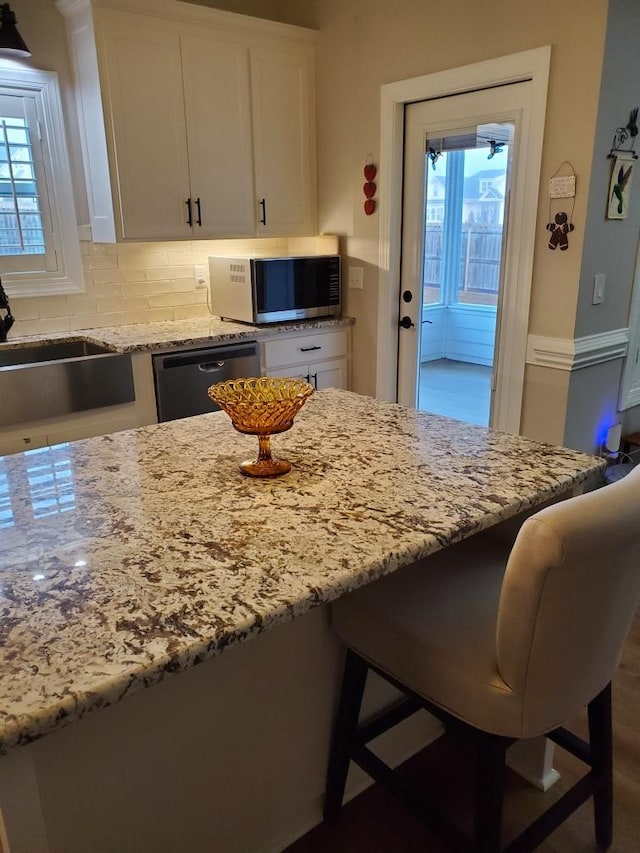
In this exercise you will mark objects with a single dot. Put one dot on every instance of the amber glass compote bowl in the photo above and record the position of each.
(262, 406)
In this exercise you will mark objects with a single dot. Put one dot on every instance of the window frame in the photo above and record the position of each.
(57, 193)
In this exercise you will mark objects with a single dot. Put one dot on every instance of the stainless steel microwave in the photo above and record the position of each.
(270, 290)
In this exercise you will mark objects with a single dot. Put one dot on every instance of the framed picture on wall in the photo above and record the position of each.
(620, 188)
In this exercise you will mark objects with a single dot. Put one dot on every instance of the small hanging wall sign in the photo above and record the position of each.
(561, 186)
(369, 188)
(624, 156)
(620, 187)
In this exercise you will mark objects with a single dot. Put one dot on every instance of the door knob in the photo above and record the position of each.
(407, 323)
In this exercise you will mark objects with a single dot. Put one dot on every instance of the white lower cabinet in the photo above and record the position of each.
(90, 423)
(322, 358)
(323, 374)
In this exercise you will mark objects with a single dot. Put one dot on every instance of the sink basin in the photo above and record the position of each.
(54, 379)
(52, 351)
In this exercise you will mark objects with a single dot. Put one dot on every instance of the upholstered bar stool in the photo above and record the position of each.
(501, 644)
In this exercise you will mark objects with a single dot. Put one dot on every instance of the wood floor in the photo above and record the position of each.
(375, 823)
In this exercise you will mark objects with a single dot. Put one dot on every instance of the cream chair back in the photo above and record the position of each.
(570, 592)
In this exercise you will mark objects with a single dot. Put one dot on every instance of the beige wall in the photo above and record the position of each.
(365, 43)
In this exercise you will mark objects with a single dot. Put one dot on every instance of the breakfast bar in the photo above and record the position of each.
(129, 558)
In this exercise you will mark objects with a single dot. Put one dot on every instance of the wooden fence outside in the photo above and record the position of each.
(479, 258)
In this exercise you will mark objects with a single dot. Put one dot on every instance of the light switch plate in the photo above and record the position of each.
(356, 278)
(599, 282)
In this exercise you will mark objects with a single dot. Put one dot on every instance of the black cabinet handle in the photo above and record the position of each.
(309, 349)
(314, 376)
(263, 205)
(307, 378)
(199, 219)
(189, 214)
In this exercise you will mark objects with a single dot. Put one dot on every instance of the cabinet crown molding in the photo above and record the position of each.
(189, 12)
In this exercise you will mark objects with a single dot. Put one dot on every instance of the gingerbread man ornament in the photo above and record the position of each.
(560, 229)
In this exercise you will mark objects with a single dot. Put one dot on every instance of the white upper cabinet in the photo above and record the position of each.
(284, 140)
(145, 117)
(218, 119)
(209, 122)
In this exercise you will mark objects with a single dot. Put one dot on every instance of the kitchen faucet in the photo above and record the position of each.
(8, 320)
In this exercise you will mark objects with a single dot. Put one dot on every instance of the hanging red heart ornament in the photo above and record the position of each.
(370, 172)
(369, 189)
(369, 206)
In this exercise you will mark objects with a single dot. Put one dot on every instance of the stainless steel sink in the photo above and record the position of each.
(49, 380)
(52, 351)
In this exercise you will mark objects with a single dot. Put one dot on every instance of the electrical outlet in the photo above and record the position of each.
(200, 276)
(356, 278)
(599, 282)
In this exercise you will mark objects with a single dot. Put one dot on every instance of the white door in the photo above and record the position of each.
(464, 160)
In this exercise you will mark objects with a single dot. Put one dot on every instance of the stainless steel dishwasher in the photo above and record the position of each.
(182, 378)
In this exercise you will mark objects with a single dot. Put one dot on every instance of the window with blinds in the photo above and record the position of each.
(21, 230)
(27, 242)
(39, 248)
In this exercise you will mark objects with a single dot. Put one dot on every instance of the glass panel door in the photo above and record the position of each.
(466, 188)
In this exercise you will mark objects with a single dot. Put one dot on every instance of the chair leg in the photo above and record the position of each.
(353, 683)
(490, 775)
(601, 741)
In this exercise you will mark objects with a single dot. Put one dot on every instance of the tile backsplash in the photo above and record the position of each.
(145, 283)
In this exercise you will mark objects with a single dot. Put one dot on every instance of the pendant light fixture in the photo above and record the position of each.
(11, 42)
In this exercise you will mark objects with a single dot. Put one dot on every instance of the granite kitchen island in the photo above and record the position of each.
(129, 558)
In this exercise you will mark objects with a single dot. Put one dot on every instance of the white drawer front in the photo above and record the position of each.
(305, 349)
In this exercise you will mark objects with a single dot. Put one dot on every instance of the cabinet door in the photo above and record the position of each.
(218, 119)
(145, 111)
(328, 374)
(284, 140)
(321, 374)
(297, 371)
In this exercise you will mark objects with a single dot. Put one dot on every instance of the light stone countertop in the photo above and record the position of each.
(135, 555)
(146, 337)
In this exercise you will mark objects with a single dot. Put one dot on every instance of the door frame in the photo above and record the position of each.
(530, 65)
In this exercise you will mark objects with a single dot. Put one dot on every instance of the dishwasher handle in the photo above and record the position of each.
(213, 356)
(211, 366)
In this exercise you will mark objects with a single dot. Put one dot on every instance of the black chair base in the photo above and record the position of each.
(350, 744)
